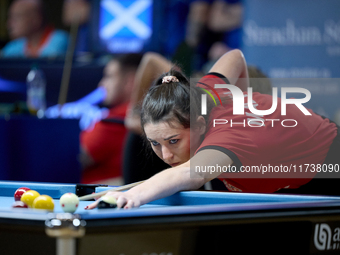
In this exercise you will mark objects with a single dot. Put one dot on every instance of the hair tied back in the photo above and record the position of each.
(168, 79)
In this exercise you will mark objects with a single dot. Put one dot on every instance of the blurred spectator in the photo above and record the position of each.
(217, 50)
(225, 22)
(139, 163)
(197, 20)
(188, 51)
(102, 146)
(225, 15)
(30, 32)
(209, 21)
(77, 13)
(257, 79)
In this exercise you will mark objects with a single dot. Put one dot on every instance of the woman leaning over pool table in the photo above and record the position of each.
(177, 132)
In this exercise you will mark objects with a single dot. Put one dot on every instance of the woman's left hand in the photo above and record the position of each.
(124, 200)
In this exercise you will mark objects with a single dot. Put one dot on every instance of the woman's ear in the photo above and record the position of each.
(201, 125)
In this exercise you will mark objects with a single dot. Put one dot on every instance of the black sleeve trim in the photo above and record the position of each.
(231, 154)
(220, 76)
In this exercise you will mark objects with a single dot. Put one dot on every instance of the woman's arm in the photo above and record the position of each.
(233, 66)
(151, 67)
(171, 180)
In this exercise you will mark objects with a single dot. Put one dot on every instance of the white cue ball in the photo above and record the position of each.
(69, 202)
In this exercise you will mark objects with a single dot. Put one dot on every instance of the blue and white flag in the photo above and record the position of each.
(125, 25)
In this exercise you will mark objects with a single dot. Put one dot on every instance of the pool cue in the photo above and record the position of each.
(68, 62)
(102, 193)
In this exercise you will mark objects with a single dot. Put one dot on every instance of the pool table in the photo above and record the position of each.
(192, 222)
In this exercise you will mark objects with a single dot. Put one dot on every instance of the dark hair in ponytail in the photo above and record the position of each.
(174, 101)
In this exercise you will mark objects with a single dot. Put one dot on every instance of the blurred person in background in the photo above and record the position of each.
(138, 163)
(77, 13)
(31, 34)
(257, 79)
(208, 22)
(102, 146)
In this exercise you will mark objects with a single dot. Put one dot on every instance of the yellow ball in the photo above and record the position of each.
(29, 196)
(44, 202)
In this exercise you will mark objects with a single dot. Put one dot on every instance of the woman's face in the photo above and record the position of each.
(172, 142)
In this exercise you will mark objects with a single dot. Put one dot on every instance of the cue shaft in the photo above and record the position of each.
(102, 193)
(65, 80)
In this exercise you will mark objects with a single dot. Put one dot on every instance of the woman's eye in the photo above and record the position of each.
(154, 143)
(173, 141)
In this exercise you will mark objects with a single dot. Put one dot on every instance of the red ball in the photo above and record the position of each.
(19, 204)
(18, 193)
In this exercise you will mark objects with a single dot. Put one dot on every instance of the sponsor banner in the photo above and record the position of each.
(287, 40)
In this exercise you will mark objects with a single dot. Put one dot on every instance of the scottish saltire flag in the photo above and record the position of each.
(125, 25)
